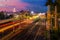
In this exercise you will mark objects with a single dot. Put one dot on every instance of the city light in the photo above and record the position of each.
(41, 14)
(29, 19)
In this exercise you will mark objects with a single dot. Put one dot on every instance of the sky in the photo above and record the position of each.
(33, 5)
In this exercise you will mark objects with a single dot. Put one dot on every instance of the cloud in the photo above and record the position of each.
(35, 5)
(12, 4)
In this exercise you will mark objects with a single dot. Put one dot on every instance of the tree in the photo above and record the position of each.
(10, 16)
(58, 8)
(2, 16)
(50, 2)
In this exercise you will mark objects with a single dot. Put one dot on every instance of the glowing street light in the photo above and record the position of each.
(32, 12)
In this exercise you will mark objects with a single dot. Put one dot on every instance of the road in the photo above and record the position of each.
(27, 30)
(36, 31)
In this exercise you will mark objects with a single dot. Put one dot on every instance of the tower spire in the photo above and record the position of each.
(14, 9)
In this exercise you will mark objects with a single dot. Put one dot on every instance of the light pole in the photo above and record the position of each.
(56, 26)
(48, 18)
(48, 22)
(48, 25)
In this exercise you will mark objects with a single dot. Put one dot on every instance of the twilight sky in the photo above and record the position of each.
(33, 5)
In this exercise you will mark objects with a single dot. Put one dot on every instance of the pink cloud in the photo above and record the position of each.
(11, 4)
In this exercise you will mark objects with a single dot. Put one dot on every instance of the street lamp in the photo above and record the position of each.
(55, 4)
(48, 22)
